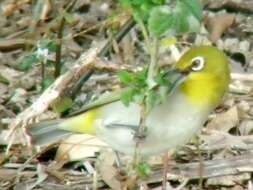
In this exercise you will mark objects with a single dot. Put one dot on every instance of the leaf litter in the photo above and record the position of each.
(227, 137)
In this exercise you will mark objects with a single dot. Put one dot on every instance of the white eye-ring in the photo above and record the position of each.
(198, 63)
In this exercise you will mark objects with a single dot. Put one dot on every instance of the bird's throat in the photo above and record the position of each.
(203, 90)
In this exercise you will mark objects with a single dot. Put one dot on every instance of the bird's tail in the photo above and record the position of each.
(46, 132)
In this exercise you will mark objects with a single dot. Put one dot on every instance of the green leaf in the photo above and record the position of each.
(141, 12)
(62, 104)
(126, 3)
(4, 80)
(48, 80)
(139, 80)
(144, 169)
(194, 7)
(159, 2)
(161, 20)
(27, 62)
(68, 17)
(49, 44)
(127, 97)
(125, 77)
(139, 96)
(187, 16)
(168, 41)
(142, 75)
(141, 8)
(139, 2)
(52, 46)
(161, 79)
(152, 99)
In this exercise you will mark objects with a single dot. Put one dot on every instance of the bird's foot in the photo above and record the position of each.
(139, 136)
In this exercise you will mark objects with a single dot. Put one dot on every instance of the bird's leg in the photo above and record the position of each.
(118, 161)
(141, 133)
(139, 136)
(121, 169)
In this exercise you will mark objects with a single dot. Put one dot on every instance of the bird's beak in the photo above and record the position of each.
(176, 77)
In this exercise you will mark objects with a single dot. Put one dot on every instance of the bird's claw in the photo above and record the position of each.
(139, 136)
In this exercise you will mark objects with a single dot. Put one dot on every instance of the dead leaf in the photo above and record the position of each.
(108, 172)
(18, 138)
(46, 9)
(246, 127)
(10, 74)
(218, 24)
(9, 9)
(42, 176)
(7, 174)
(228, 180)
(77, 147)
(224, 121)
(241, 5)
(12, 44)
(214, 140)
(239, 87)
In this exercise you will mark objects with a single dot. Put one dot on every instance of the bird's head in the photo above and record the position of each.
(207, 75)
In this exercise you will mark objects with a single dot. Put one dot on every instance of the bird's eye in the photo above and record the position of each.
(198, 63)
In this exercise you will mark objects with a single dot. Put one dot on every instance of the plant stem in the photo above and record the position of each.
(140, 134)
(152, 70)
(145, 35)
(152, 47)
(42, 74)
(57, 70)
(118, 37)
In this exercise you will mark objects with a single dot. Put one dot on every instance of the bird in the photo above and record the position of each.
(204, 75)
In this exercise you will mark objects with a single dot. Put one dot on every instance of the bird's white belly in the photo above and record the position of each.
(169, 125)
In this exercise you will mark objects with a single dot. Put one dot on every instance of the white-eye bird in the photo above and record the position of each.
(205, 76)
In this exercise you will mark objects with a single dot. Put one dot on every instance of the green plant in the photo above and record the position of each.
(44, 49)
(47, 50)
(138, 90)
(157, 19)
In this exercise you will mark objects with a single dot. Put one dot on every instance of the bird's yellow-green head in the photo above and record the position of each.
(208, 75)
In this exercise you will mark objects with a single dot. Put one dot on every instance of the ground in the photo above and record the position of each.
(36, 36)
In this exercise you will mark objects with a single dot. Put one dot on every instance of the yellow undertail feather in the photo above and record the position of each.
(83, 123)
(48, 132)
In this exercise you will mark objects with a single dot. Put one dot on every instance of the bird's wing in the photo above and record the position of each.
(112, 126)
(104, 99)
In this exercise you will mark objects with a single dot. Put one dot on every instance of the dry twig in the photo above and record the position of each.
(211, 168)
(80, 67)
